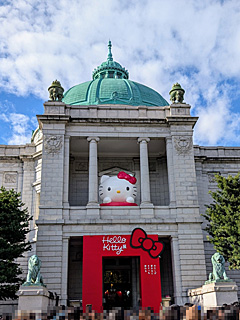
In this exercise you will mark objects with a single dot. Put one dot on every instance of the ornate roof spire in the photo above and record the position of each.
(110, 58)
(110, 68)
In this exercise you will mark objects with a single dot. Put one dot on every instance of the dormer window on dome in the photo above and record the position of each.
(110, 68)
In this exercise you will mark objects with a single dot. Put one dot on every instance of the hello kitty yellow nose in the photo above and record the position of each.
(118, 191)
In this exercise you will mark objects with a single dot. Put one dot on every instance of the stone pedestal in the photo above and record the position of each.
(214, 294)
(34, 298)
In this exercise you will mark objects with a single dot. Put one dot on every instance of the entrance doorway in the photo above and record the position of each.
(142, 271)
(121, 282)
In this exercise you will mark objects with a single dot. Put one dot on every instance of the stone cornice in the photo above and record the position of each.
(49, 118)
(182, 120)
(216, 153)
(118, 120)
(13, 159)
(145, 221)
(216, 159)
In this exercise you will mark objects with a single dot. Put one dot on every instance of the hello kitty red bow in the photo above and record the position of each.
(124, 175)
(139, 239)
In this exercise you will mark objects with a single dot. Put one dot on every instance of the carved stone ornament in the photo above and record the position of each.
(10, 177)
(183, 144)
(53, 144)
(177, 93)
(56, 91)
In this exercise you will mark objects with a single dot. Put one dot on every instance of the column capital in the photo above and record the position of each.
(96, 139)
(143, 140)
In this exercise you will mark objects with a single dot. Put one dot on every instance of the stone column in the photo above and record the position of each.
(144, 172)
(170, 168)
(93, 173)
(65, 252)
(177, 274)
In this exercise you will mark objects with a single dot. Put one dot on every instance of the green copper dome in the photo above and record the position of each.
(110, 85)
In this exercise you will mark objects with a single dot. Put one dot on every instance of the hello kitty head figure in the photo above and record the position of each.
(119, 190)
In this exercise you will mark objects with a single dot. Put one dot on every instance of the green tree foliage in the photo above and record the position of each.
(14, 226)
(223, 216)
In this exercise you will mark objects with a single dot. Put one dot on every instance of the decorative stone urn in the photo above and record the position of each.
(56, 91)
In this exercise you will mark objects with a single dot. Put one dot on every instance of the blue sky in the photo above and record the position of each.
(160, 42)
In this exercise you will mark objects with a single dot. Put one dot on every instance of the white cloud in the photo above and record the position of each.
(20, 125)
(194, 42)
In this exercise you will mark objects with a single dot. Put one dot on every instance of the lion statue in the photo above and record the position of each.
(219, 272)
(34, 276)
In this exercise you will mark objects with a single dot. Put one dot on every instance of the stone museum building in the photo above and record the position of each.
(103, 252)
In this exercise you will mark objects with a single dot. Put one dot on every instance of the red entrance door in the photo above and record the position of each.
(97, 247)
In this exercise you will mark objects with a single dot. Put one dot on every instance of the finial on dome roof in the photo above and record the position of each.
(110, 68)
(110, 58)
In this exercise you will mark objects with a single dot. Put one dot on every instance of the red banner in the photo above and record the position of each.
(97, 247)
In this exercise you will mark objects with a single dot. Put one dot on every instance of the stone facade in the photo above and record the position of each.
(59, 172)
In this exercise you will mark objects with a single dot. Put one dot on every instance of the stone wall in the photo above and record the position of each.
(209, 161)
(17, 171)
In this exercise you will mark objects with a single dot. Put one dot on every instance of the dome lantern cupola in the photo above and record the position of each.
(110, 68)
(110, 85)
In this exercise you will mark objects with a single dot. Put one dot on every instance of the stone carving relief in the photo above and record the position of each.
(53, 144)
(10, 177)
(183, 145)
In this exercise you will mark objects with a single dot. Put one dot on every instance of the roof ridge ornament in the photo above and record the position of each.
(55, 91)
(110, 58)
(177, 93)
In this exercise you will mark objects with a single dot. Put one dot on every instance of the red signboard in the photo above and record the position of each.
(147, 248)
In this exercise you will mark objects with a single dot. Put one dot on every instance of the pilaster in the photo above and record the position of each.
(55, 161)
(177, 274)
(66, 170)
(180, 154)
(170, 168)
(65, 250)
(27, 188)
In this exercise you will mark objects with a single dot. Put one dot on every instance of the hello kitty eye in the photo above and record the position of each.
(127, 188)
(109, 189)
